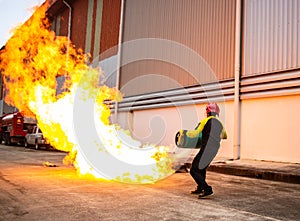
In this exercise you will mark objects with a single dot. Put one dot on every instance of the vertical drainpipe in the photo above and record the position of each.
(237, 76)
(69, 29)
(69, 32)
(119, 55)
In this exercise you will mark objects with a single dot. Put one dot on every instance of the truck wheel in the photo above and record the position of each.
(7, 140)
(36, 145)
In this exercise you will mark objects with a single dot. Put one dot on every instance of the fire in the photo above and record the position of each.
(31, 64)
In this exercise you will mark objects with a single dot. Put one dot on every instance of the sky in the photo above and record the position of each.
(12, 14)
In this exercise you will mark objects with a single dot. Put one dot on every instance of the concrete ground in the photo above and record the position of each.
(29, 190)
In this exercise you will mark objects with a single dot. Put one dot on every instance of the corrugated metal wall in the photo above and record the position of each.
(59, 13)
(110, 26)
(79, 23)
(64, 15)
(272, 39)
(207, 27)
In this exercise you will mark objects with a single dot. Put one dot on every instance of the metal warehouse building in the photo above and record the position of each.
(170, 57)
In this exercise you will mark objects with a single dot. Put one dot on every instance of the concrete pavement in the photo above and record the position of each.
(29, 190)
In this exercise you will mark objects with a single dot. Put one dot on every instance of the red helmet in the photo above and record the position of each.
(212, 107)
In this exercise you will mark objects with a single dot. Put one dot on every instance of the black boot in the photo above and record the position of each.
(197, 191)
(205, 193)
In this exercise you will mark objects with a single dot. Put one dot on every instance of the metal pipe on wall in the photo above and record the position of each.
(237, 75)
(119, 55)
(69, 29)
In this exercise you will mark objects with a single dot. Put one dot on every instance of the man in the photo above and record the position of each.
(212, 133)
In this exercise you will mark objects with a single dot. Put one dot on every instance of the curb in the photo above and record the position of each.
(255, 173)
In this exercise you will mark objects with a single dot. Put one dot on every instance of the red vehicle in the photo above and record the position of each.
(14, 127)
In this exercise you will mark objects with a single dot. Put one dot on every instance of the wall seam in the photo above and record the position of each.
(89, 27)
(97, 33)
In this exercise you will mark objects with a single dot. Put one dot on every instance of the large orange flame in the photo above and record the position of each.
(32, 61)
